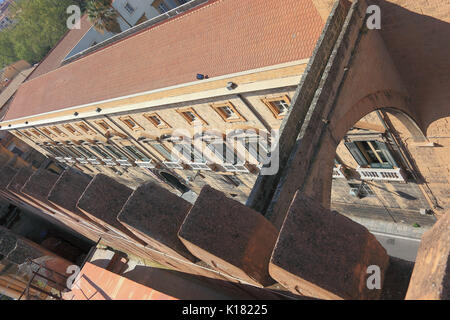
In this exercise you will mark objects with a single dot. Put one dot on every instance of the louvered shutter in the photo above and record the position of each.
(356, 153)
(387, 154)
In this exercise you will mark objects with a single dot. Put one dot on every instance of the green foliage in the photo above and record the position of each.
(103, 16)
(39, 24)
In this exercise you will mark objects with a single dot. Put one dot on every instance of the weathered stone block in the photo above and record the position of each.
(7, 173)
(323, 254)
(67, 191)
(20, 179)
(155, 215)
(39, 184)
(7, 241)
(230, 237)
(102, 201)
(430, 279)
(23, 251)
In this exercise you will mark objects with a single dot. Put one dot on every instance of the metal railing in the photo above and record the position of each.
(30, 285)
(338, 172)
(381, 174)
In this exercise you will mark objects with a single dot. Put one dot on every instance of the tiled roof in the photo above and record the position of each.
(62, 49)
(219, 38)
(95, 283)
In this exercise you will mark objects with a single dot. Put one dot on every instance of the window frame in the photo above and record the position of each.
(58, 131)
(187, 118)
(127, 4)
(136, 127)
(163, 125)
(134, 155)
(218, 108)
(71, 129)
(103, 125)
(47, 132)
(268, 102)
(363, 159)
(85, 128)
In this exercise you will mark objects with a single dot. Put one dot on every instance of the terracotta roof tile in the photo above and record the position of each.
(219, 38)
(54, 58)
(95, 283)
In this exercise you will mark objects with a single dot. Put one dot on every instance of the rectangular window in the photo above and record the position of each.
(190, 152)
(164, 152)
(129, 8)
(225, 153)
(156, 120)
(371, 153)
(136, 153)
(84, 128)
(102, 124)
(162, 7)
(58, 131)
(100, 152)
(71, 129)
(278, 106)
(133, 125)
(258, 148)
(114, 151)
(191, 116)
(67, 152)
(53, 151)
(364, 189)
(28, 134)
(47, 132)
(228, 112)
(85, 152)
(36, 133)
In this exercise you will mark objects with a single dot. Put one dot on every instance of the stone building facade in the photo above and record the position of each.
(357, 132)
(213, 119)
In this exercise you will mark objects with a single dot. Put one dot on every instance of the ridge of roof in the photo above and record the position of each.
(142, 27)
(221, 37)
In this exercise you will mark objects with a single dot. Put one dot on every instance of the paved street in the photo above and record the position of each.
(398, 246)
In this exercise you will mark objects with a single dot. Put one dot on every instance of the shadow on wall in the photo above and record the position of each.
(419, 47)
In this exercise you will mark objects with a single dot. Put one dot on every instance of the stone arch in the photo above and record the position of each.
(391, 102)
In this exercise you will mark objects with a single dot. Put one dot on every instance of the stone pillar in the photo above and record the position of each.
(38, 187)
(230, 237)
(430, 279)
(155, 215)
(102, 201)
(324, 254)
(65, 194)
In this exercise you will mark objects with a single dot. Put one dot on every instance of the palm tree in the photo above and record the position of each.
(103, 16)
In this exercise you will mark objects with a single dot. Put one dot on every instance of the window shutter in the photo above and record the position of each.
(357, 155)
(387, 154)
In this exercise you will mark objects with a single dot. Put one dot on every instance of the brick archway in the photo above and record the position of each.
(318, 183)
(390, 101)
